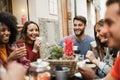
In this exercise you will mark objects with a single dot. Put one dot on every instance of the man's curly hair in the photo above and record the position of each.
(11, 22)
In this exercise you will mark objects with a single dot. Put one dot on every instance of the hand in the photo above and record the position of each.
(87, 73)
(17, 53)
(15, 71)
(90, 55)
(37, 45)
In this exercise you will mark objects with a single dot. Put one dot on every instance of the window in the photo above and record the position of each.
(53, 7)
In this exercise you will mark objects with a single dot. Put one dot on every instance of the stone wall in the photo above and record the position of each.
(49, 30)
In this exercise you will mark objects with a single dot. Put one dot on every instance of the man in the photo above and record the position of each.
(81, 40)
(111, 30)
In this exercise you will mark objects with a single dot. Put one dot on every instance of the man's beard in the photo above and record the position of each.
(80, 33)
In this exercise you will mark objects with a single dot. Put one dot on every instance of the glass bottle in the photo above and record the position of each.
(39, 71)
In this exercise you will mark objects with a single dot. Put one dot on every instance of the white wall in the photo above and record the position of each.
(81, 7)
(102, 8)
(32, 10)
(40, 9)
(72, 11)
(91, 20)
(37, 9)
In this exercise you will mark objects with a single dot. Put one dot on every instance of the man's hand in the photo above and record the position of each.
(87, 73)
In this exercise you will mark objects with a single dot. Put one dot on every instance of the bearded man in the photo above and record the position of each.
(81, 40)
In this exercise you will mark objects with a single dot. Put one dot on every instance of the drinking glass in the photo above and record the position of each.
(76, 50)
(24, 60)
(93, 44)
(81, 57)
(22, 44)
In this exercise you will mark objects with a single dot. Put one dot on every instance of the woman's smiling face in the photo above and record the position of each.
(99, 34)
(32, 32)
(4, 34)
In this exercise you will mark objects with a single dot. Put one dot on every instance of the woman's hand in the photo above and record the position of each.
(17, 53)
(37, 45)
(90, 55)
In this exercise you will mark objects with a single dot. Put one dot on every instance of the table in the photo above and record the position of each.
(28, 77)
(53, 78)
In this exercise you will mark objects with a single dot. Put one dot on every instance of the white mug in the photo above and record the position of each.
(39, 38)
(93, 44)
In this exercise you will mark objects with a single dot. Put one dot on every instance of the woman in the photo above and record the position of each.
(8, 33)
(29, 35)
(106, 54)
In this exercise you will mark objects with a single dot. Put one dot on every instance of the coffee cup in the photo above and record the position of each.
(93, 44)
